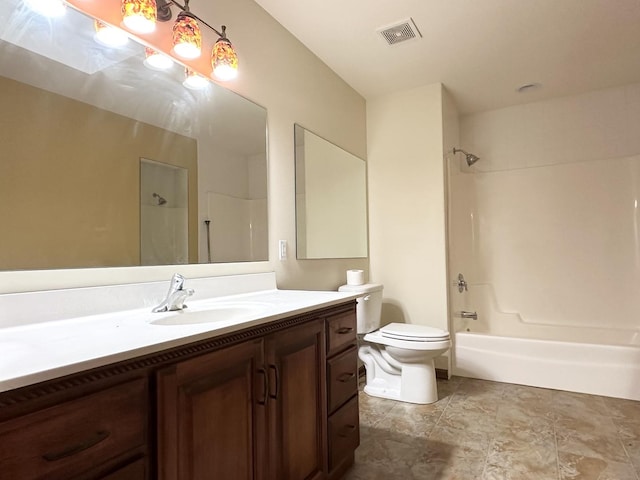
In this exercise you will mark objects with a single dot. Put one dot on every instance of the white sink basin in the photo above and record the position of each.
(211, 312)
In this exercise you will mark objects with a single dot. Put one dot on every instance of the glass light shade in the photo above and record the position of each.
(156, 60)
(194, 81)
(48, 8)
(109, 36)
(187, 38)
(224, 60)
(139, 15)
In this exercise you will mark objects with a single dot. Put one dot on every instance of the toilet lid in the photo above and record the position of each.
(416, 333)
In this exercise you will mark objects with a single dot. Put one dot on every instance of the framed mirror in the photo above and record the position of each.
(78, 122)
(331, 199)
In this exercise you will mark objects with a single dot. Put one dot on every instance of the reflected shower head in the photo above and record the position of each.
(470, 157)
(161, 200)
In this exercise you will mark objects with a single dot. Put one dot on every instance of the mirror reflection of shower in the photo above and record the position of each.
(161, 200)
(470, 157)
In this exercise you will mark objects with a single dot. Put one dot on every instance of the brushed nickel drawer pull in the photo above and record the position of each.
(343, 330)
(347, 430)
(346, 376)
(95, 439)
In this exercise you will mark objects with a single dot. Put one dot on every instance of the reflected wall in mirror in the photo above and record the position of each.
(331, 199)
(77, 118)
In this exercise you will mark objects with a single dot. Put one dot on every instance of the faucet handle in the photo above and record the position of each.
(177, 282)
(461, 283)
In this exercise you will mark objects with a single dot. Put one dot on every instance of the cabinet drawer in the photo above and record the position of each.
(342, 377)
(133, 471)
(341, 331)
(344, 432)
(72, 437)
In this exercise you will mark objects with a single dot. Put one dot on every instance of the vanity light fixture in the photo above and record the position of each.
(156, 60)
(187, 37)
(193, 80)
(224, 60)
(48, 8)
(109, 36)
(139, 15)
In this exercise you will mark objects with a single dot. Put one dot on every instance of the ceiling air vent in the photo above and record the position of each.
(402, 31)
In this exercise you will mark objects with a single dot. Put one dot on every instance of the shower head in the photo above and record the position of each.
(161, 200)
(470, 157)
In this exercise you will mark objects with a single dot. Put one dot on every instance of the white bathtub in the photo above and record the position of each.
(603, 362)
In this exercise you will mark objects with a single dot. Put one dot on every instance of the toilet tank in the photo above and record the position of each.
(369, 306)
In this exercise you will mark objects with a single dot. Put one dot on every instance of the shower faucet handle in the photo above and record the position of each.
(461, 284)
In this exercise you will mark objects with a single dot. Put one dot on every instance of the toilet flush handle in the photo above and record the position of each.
(364, 299)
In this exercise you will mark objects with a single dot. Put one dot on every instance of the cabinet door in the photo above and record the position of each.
(296, 367)
(211, 416)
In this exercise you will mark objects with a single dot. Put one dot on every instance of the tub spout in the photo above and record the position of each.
(472, 315)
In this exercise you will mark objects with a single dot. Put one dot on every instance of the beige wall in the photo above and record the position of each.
(277, 72)
(69, 203)
(407, 204)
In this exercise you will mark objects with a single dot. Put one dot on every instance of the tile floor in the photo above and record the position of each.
(481, 430)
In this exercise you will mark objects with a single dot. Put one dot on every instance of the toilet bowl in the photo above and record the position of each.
(399, 357)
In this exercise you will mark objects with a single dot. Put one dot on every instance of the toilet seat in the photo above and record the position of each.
(413, 333)
(411, 344)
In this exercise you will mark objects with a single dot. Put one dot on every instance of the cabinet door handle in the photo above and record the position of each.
(343, 330)
(347, 430)
(95, 439)
(265, 386)
(346, 376)
(277, 382)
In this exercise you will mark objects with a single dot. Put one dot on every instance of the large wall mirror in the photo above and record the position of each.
(107, 163)
(331, 199)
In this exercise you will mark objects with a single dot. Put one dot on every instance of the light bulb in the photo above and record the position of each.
(194, 81)
(109, 36)
(187, 38)
(156, 60)
(139, 15)
(224, 61)
(48, 8)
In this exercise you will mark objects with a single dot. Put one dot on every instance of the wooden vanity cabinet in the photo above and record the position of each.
(297, 432)
(251, 411)
(343, 424)
(273, 402)
(101, 435)
(211, 415)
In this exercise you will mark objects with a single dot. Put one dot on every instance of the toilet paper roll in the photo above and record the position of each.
(355, 277)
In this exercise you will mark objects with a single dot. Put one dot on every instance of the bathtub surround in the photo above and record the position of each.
(481, 430)
(545, 230)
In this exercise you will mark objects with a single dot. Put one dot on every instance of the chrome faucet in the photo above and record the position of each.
(471, 315)
(175, 296)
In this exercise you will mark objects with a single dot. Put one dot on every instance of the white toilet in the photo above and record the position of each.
(398, 357)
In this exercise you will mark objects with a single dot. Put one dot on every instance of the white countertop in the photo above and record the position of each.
(35, 352)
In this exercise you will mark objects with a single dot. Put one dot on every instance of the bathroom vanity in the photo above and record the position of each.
(269, 396)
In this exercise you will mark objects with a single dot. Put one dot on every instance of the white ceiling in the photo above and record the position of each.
(481, 50)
